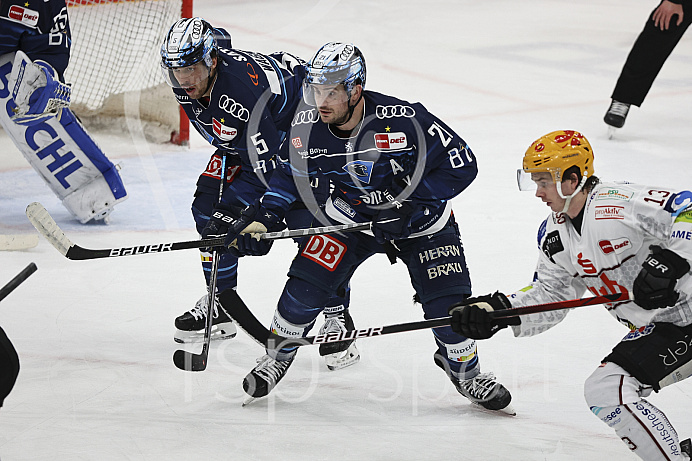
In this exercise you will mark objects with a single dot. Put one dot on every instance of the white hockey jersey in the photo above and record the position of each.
(620, 222)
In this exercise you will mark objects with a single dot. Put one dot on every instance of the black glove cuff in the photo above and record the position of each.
(677, 265)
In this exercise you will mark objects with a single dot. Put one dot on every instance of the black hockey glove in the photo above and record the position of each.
(471, 317)
(654, 287)
(222, 216)
(393, 223)
(243, 235)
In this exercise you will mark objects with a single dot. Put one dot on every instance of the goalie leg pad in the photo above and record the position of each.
(65, 156)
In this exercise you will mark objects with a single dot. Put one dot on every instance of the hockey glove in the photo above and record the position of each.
(471, 318)
(393, 223)
(36, 91)
(654, 287)
(243, 238)
(222, 217)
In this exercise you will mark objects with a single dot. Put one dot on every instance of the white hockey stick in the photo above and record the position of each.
(13, 242)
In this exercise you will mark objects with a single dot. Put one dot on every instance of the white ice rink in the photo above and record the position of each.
(95, 338)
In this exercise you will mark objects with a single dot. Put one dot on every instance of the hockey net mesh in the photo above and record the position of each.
(115, 51)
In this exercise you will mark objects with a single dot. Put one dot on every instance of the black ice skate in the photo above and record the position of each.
(686, 447)
(617, 113)
(264, 377)
(344, 353)
(483, 389)
(191, 324)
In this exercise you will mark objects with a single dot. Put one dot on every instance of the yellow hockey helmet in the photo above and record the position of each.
(555, 153)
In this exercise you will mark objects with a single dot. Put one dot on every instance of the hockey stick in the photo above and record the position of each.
(13, 242)
(17, 280)
(247, 321)
(189, 361)
(46, 225)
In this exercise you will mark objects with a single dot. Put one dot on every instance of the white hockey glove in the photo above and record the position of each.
(36, 91)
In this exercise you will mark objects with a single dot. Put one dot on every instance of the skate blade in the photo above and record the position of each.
(218, 332)
(248, 400)
(344, 359)
(611, 132)
(506, 411)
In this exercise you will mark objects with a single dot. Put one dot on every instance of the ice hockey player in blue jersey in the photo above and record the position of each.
(243, 103)
(393, 164)
(35, 45)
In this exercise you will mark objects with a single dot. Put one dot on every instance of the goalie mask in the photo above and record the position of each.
(186, 52)
(555, 153)
(334, 64)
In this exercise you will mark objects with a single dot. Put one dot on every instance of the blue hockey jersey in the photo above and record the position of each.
(400, 151)
(248, 113)
(39, 28)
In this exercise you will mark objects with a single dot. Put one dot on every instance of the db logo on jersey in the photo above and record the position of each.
(390, 140)
(23, 15)
(325, 251)
(223, 132)
(297, 143)
(616, 246)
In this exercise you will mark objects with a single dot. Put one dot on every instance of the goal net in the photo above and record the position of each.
(114, 64)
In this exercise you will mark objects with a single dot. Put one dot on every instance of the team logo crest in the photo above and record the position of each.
(360, 169)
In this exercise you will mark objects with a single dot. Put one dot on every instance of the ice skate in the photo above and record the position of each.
(264, 377)
(616, 114)
(482, 390)
(190, 326)
(686, 448)
(341, 354)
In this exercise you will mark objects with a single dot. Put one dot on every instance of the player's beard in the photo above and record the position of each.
(337, 117)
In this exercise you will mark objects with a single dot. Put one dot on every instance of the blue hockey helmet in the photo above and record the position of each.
(188, 41)
(335, 63)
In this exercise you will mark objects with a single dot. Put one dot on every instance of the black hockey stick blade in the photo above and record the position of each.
(17, 280)
(46, 226)
(189, 361)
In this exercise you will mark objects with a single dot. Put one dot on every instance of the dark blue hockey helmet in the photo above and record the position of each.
(335, 63)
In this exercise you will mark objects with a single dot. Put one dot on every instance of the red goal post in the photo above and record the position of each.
(114, 64)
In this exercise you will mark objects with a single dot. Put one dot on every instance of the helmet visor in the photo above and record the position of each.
(324, 95)
(186, 77)
(532, 179)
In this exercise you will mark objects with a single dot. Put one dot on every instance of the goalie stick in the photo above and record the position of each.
(237, 309)
(17, 280)
(46, 226)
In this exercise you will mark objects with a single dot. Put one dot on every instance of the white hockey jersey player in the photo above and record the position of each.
(608, 238)
(620, 222)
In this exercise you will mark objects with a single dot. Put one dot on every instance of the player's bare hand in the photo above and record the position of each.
(665, 12)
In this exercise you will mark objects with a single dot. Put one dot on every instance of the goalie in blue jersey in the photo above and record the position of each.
(394, 164)
(35, 45)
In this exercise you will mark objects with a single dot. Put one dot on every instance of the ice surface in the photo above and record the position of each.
(95, 338)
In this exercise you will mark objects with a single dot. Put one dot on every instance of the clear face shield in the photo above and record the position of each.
(324, 95)
(531, 180)
(186, 77)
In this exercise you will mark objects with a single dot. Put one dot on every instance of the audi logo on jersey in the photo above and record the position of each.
(394, 111)
(235, 109)
(305, 117)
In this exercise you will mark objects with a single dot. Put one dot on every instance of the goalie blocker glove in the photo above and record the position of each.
(472, 319)
(654, 287)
